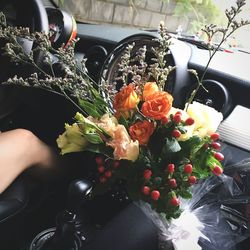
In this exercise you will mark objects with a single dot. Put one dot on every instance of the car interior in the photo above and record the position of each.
(31, 208)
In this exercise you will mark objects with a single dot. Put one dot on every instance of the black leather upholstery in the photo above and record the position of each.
(13, 200)
(131, 229)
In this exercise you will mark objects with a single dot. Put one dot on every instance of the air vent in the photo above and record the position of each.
(217, 96)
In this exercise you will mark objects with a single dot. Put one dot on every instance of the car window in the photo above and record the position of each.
(185, 17)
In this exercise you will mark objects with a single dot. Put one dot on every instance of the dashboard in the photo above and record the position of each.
(228, 78)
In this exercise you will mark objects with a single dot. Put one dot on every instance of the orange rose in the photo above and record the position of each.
(141, 131)
(157, 105)
(149, 89)
(126, 99)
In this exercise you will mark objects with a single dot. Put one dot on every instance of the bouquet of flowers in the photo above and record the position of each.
(160, 151)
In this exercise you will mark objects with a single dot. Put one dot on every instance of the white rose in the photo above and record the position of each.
(206, 119)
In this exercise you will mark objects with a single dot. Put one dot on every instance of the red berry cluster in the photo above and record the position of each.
(170, 169)
(177, 121)
(188, 169)
(155, 193)
(214, 145)
(171, 181)
(105, 169)
(147, 190)
(171, 184)
(217, 170)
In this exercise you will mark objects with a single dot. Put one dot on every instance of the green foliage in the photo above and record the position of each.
(201, 13)
(100, 149)
(97, 107)
(61, 2)
(212, 33)
(171, 146)
(90, 108)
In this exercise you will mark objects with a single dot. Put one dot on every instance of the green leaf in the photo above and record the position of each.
(171, 146)
(186, 194)
(192, 146)
(100, 149)
(123, 121)
(100, 103)
(93, 138)
(90, 108)
(98, 99)
(182, 129)
(211, 161)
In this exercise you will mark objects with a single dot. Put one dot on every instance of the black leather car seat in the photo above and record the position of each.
(130, 229)
(13, 200)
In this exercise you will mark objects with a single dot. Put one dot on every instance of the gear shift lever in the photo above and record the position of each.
(78, 193)
(64, 236)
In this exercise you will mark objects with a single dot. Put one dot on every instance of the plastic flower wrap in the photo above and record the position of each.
(210, 220)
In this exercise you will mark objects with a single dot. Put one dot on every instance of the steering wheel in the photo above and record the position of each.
(177, 57)
(25, 13)
(32, 14)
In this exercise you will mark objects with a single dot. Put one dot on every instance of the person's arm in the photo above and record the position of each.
(19, 150)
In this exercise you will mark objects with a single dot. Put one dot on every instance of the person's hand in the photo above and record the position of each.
(19, 150)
